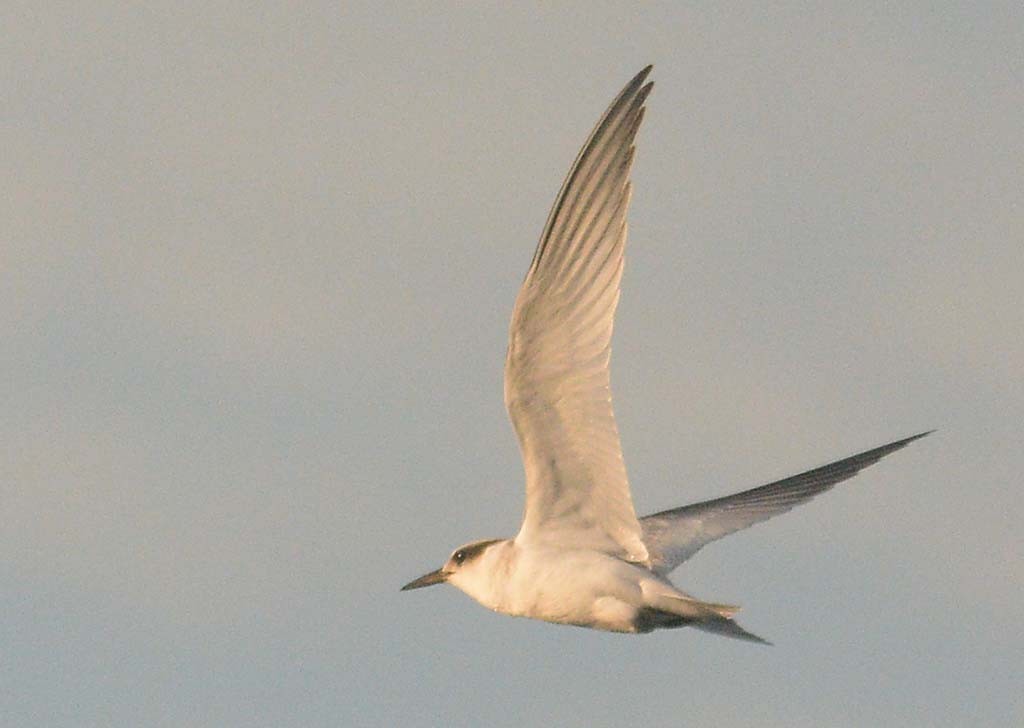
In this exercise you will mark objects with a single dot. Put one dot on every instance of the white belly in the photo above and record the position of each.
(584, 588)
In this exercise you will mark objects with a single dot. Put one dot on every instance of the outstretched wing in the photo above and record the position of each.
(675, 535)
(557, 387)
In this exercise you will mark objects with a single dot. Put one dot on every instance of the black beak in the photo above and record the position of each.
(434, 577)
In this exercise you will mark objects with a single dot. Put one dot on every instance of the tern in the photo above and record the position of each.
(582, 557)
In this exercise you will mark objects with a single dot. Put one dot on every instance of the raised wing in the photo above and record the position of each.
(557, 387)
(674, 536)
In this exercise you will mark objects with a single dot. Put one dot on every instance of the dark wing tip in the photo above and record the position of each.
(634, 84)
(637, 89)
(645, 91)
(904, 442)
(855, 463)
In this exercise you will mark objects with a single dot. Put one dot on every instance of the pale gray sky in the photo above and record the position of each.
(257, 265)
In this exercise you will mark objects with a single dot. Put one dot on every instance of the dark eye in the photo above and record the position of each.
(459, 556)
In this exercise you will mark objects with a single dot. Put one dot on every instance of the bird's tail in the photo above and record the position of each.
(687, 606)
(707, 616)
(728, 628)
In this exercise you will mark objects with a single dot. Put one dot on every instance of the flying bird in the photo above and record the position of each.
(582, 557)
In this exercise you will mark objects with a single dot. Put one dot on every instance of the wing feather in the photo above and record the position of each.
(557, 385)
(675, 535)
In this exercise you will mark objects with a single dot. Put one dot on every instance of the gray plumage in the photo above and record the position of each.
(673, 536)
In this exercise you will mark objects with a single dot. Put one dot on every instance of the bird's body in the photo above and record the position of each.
(531, 581)
(582, 557)
(580, 587)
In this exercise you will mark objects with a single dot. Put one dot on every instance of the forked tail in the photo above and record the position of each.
(729, 628)
(687, 606)
(708, 616)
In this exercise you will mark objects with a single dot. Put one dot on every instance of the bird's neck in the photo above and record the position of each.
(490, 579)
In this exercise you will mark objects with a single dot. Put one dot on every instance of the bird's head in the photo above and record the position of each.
(469, 568)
